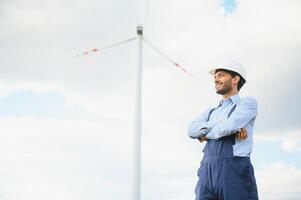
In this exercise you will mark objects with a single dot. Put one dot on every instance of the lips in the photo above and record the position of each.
(217, 85)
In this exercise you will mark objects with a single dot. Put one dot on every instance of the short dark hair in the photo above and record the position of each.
(241, 81)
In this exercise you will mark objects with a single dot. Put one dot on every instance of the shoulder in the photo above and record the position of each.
(248, 101)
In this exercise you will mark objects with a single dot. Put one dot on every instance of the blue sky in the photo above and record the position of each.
(26, 103)
(67, 124)
(229, 6)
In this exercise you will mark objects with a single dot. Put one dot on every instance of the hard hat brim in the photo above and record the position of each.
(212, 72)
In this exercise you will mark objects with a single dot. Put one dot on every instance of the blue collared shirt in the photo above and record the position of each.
(219, 125)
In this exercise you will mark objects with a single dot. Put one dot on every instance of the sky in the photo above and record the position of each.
(67, 122)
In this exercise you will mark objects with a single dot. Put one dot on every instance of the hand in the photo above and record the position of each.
(202, 139)
(242, 134)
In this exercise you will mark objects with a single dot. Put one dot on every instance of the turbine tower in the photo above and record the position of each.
(136, 169)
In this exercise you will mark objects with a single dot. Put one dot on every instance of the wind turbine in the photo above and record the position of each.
(136, 166)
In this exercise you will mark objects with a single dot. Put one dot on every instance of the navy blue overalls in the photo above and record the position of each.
(223, 176)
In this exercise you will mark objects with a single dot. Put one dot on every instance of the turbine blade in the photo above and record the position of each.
(95, 50)
(166, 57)
(146, 12)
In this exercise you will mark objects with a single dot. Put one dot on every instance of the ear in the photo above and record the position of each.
(236, 79)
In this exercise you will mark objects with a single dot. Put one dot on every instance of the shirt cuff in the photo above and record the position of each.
(204, 129)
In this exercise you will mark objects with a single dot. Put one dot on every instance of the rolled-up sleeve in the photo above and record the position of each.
(199, 126)
(245, 111)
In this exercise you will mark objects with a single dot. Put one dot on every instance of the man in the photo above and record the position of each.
(226, 172)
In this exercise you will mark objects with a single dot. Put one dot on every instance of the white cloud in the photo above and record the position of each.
(268, 136)
(60, 159)
(279, 181)
(290, 140)
(90, 159)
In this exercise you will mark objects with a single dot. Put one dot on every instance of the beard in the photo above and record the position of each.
(225, 89)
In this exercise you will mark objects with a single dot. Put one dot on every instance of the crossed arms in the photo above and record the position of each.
(246, 110)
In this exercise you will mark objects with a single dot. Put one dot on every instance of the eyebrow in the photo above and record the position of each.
(219, 72)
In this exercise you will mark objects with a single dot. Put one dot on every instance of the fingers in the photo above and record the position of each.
(245, 134)
(202, 139)
(242, 134)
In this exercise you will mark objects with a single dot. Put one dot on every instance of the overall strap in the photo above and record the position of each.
(231, 111)
(210, 112)
(232, 136)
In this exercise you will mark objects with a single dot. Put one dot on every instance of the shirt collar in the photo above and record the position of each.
(234, 99)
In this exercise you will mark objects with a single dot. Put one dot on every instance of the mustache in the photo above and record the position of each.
(217, 82)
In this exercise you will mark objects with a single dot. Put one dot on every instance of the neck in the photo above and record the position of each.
(230, 94)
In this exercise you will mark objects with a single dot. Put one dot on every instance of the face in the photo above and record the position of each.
(223, 82)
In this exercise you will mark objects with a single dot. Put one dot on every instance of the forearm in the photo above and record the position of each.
(196, 130)
(197, 127)
(219, 131)
(227, 127)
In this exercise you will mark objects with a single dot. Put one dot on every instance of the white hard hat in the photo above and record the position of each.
(232, 66)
